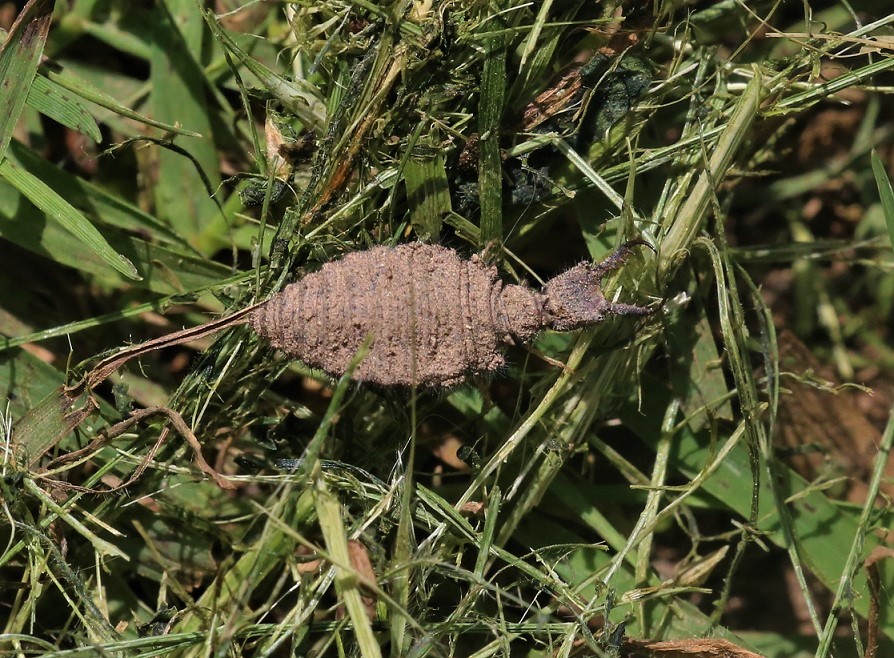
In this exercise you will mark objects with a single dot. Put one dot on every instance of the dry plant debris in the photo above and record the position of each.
(695, 648)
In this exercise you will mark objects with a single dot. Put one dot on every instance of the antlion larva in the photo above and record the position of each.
(435, 318)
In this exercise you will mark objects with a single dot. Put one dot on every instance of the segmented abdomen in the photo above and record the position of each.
(434, 317)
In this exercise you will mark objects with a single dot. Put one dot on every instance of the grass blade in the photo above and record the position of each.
(346, 581)
(885, 192)
(490, 161)
(428, 192)
(19, 58)
(96, 202)
(177, 95)
(69, 217)
(80, 87)
(690, 218)
(49, 98)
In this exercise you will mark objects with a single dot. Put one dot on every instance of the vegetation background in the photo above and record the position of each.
(711, 480)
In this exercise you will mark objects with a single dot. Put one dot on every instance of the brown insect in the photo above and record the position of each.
(435, 318)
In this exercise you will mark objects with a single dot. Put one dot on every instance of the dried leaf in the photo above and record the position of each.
(876, 591)
(696, 648)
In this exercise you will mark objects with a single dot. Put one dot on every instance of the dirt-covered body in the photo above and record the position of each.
(435, 318)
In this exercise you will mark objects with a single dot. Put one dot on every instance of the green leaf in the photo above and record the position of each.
(51, 99)
(885, 192)
(48, 422)
(163, 270)
(42, 196)
(178, 96)
(25, 380)
(19, 58)
(690, 217)
(129, 36)
(93, 201)
(428, 191)
(80, 87)
(490, 160)
(696, 372)
(44, 414)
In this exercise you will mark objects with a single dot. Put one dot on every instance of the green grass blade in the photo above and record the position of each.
(820, 90)
(24, 393)
(19, 57)
(690, 218)
(696, 372)
(885, 193)
(487, 535)
(539, 64)
(49, 98)
(160, 269)
(80, 87)
(47, 423)
(428, 192)
(69, 217)
(534, 34)
(177, 95)
(584, 167)
(96, 202)
(346, 582)
(41, 413)
(490, 161)
(277, 538)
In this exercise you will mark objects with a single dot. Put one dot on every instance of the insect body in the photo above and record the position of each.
(435, 318)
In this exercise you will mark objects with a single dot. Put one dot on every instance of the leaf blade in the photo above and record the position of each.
(50, 99)
(19, 58)
(42, 196)
(178, 95)
(79, 86)
(490, 161)
(885, 192)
